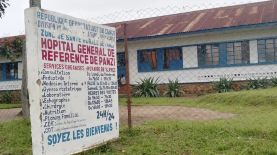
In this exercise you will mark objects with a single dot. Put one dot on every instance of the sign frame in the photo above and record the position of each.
(92, 128)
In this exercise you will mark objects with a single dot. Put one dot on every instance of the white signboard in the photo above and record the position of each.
(72, 82)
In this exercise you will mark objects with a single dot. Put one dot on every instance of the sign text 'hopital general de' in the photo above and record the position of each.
(72, 82)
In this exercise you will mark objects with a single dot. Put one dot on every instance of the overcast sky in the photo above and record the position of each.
(13, 21)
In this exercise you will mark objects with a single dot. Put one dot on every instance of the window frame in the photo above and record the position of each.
(176, 64)
(265, 51)
(121, 64)
(201, 55)
(242, 53)
(222, 54)
(142, 65)
(4, 74)
(160, 60)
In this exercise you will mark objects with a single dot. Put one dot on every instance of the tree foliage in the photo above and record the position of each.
(12, 49)
(3, 5)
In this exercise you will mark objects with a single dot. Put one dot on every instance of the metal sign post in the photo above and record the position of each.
(127, 76)
(35, 3)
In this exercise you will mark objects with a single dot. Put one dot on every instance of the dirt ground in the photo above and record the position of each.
(140, 114)
(9, 114)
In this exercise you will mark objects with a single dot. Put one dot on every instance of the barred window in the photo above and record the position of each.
(267, 50)
(238, 53)
(208, 55)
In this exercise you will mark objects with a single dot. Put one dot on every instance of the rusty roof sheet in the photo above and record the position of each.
(10, 39)
(196, 21)
(216, 18)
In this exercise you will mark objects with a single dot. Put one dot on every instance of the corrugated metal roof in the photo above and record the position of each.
(196, 21)
(216, 18)
(10, 39)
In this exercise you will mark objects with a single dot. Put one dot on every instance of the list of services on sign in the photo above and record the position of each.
(72, 82)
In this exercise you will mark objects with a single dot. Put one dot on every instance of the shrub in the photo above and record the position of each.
(147, 87)
(6, 97)
(223, 85)
(273, 81)
(258, 83)
(174, 89)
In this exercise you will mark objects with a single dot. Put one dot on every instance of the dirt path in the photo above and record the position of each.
(9, 114)
(140, 114)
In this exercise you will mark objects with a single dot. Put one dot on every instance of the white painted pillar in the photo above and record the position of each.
(20, 70)
(253, 51)
(190, 59)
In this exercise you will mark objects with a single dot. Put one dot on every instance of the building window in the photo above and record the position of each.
(160, 59)
(172, 58)
(223, 54)
(238, 53)
(1, 72)
(8, 71)
(147, 60)
(121, 68)
(208, 55)
(267, 50)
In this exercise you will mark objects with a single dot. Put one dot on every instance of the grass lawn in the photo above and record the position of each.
(252, 131)
(9, 106)
(15, 138)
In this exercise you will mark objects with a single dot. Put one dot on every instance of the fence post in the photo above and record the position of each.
(127, 76)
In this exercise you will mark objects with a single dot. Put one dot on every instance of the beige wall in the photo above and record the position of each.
(189, 58)
(208, 74)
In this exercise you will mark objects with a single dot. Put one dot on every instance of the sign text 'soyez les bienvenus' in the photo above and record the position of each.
(72, 82)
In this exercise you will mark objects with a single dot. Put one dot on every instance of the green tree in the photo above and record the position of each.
(3, 5)
(12, 49)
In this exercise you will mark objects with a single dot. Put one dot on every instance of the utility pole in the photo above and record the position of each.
(24, 89)
(129, 100)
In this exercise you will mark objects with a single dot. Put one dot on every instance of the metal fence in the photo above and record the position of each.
(193, 54)
(164, 59)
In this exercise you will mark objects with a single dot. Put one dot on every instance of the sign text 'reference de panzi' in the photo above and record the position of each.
(72, 82)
